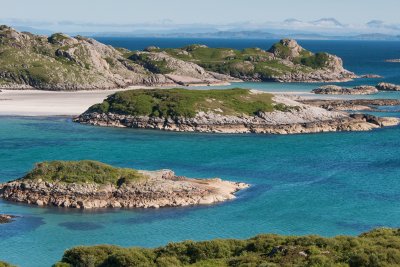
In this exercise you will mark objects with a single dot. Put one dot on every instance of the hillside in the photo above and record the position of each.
(285, 61)
(379, 247)
(61, 62)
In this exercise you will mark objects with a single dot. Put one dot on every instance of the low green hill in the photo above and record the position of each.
(186, 103)
(379, 247)
(84, 171)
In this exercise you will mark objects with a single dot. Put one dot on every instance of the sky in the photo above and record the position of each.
(100, 15)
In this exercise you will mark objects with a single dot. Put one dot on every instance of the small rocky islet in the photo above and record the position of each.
(91, 184)
(222, 111)
(358, 90)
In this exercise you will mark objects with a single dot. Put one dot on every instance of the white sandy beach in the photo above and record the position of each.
(49, 103)
(63, 103)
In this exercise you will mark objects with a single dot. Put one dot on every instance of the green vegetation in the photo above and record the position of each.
(84, 171)
(5, 264)
(174, 103)
(249, 63)
(155, 66)
(379, 247)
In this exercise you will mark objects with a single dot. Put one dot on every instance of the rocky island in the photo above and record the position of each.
(91, 184)
(222, 111)
(61, 62)
(338, 90)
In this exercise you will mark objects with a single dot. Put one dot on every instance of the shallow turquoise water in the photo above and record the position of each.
(328, 184)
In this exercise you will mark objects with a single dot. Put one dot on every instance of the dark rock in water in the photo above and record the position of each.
(371, 76)
(4, 218)
(338, 90)
(387, 87)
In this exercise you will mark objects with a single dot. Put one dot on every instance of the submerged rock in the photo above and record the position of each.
(4, 218)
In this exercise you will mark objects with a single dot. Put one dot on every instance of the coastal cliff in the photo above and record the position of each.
(90, 184)
(61, 62)
(222, 111)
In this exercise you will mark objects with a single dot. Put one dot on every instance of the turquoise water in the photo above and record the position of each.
(328, 184)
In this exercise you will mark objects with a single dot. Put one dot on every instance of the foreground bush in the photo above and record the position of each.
(379, 247)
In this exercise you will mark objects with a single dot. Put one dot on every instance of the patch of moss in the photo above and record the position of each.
(173, 103)
(84, 171)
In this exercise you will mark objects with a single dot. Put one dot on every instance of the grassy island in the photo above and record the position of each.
(84, 171)
(186, 103)
(379, 247)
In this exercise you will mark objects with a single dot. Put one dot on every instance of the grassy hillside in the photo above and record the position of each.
(84, 171)
(250, 62)
(182, 102)
(379, 247)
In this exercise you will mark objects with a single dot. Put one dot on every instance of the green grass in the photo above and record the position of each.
(5, 264)
(84, 171)
(155, 66)
(379, 247)
(175, 103)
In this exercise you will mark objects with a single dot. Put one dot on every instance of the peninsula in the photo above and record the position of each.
(61, 62)
(91, 184)
(222, 111)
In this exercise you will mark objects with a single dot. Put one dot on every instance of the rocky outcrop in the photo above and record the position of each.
(4, 218)
(298, 118)
(353, 105)
(338, 90)
(371, 76)
(160, 189)
(61, 62)
(388, 87)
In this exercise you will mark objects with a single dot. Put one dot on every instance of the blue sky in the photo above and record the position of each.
(100, 14)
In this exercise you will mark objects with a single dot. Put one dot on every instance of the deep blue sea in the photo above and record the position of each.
(327, 184)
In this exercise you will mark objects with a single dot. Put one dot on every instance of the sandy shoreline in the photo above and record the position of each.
(51, 103)
(71, 103)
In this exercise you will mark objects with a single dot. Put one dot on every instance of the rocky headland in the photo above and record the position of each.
(338, 90)
(61, 62)
(90, 184)
(222, 111)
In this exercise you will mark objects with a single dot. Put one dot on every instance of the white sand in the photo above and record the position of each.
(48, 103)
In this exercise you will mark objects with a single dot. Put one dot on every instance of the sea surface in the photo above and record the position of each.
(326, 184)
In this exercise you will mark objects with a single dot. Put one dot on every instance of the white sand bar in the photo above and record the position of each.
(49, 103)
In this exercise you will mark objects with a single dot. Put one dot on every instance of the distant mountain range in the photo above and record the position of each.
(321, 29)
